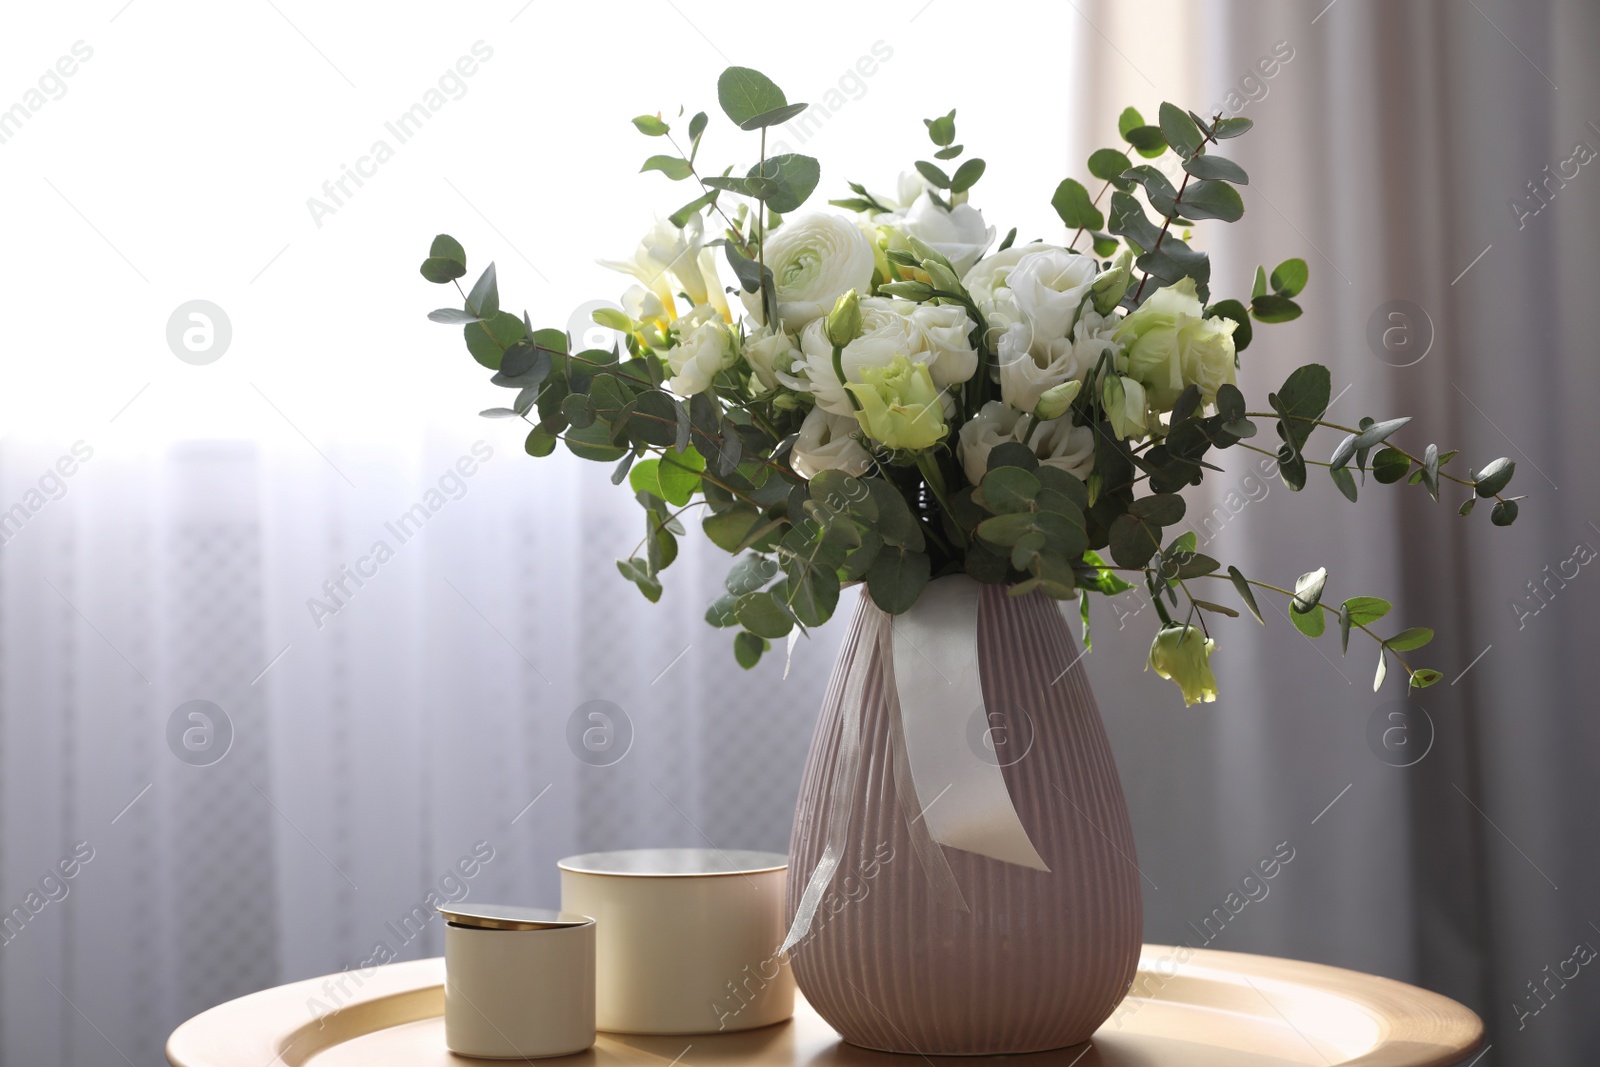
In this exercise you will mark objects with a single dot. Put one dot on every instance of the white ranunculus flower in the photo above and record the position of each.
(889, 328)
(825, 443)
(1057, 443)
(960, 234)
(771, 354)
(705, 349)
(988, 276)
(1048, 286)
(668, 255)
(814, 260)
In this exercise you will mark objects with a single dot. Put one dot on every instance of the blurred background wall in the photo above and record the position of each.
(347, 756)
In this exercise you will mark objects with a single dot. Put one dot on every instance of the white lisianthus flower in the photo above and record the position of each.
(1027, 373)
(1170, 345)
(668, 255)
(1048, 286)
(825, 443)
(985, 279)
(889, 328)
(1057, 443)
(1182, 654)
(771, 355)
(705, 348)
(960, 234)
(814, 260)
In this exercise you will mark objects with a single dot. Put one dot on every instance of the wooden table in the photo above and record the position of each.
(1216, 1009)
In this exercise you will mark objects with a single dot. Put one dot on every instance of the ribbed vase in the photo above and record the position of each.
(1041, 959)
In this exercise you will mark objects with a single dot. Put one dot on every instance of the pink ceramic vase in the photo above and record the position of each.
(1040, 959)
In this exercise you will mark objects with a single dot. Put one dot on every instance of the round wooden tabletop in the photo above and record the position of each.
(1213, 1009)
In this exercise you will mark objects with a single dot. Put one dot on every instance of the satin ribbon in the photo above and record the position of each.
(948, 794)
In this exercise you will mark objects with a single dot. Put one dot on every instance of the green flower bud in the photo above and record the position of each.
(1182, 654)
(918, 291)
(1112, 284)
(942, 276)
(844, 321)
(1054, 402)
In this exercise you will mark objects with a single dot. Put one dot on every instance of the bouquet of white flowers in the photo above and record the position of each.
(886, 396)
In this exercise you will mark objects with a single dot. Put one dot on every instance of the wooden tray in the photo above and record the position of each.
(1219, 1009)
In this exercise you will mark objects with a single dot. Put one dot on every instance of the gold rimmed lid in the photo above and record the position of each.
(510, 917)
(675, 862)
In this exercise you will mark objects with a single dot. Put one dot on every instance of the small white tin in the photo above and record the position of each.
(519, 982)
(686, 939)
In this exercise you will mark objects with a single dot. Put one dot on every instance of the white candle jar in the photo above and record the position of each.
(519, 982)
(686, 938)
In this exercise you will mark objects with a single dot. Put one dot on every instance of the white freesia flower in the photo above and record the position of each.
(814, 260)
(825, 443)
(705, 349)
(889, 328)
(960, 234)
(1057, 443)
(770, 353)
(641, 305)
(668, 255)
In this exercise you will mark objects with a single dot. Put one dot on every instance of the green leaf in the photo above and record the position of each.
(651, 125)
(1345, 481)
(594, 443)
(1424, 677)
(1130, 119)
(1013, 454)
(897, 578)
(1494, 477)
(1311, 623)
(1132, 541)
(1008, 530)
(966, 175)
(1147, 140)
(729, 529)
(1179, 130)
(1260, 286)
(540, 443)
(1390, 465)
(895, 522)
(1226, 128)
(1430, 470)
(942, 130)
(773, 117)
(1107, 164)
(1289, 277)
(697, 126)
(446, 261)
(1304, 397)
(1344, 628)
(488, 340)
(637, 571)
(1366, 609)
(794, 177)
(1216, 167)
(1504, 513)
(1220, 609)
(936, 177)
(1274, 308)
(681, 216)
(1157, 188)
(949, 153)
(1072, 203)
(578, 409)
(757, 187)
(1161, 509)
(453, 316)
(673, 167)
(1466, 508)
(745, 94)
(1406, 640)
(1308, 590)
(1129, 220)
(484, 299)
(1241, 585)
(764, 615)
(1383, 669)
(1211, 200)
(748, 648)
(1377, 432)
(1009, 489)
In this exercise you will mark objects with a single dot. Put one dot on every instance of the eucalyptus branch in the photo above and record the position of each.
(1073, 244)
(1210, 137)
(704, 189)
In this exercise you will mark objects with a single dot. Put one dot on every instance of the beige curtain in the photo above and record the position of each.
(1394, 151)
